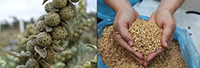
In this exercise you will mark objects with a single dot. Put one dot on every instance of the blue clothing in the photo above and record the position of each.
(104, 11)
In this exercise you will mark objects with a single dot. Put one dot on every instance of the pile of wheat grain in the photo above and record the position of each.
(147, 36)
(115, 56)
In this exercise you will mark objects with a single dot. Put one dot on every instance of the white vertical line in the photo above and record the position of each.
(21, 25)
(0, 27)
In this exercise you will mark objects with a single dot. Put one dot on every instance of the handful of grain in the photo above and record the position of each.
(147, 36)
(115, 56)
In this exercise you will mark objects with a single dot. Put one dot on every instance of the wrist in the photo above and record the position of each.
(124, 7)
(118, 5)
(171, 5)
(166, 9)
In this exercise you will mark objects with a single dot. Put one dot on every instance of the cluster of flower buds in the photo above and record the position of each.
(53, 26)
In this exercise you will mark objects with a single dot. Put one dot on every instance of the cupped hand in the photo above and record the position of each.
(123, 19)
(166, 22)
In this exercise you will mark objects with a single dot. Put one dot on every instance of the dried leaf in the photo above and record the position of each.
(13, 54)
(44, 64)
(57, 47)
(41, 52)
(67, 29)
(73, 8)
(21, 55)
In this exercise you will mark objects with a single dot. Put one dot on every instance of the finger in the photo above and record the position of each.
(124, 33)
(119, 39)
(152, 17)
(145, 64)
(166, 34)
(136, 16)
(152, 55)
(140, 61)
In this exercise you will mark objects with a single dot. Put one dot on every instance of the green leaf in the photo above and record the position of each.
(74, 49)
(76, 57)
(44, 1)
(84, 15)
(59, 64)
(52, 9)
(73, 8)
(66, 23)
(78, 66)
(92, 46)
(48, 29)
(87, 64)
(57, 47)
(32, 37)
(68, 30)
(23, 54)
(67, 52)
(44, 64)
(94, 60)
(20, 66)
(73, 60)
(40, 51)
(29, 53)
(83, 20)
(2, 63)
(94, 65)
(24, 41)
(40, 18)
(75, 23)
(81, 57)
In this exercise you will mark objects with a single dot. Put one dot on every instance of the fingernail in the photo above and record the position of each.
(145, 64)
(141, 62)
(166, 44)
(130, 43)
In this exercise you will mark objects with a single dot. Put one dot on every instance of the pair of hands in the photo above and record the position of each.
(125, 17)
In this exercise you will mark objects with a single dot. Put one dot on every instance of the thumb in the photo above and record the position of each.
(152, 17)
(124, 32)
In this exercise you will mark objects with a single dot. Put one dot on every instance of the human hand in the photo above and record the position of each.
(123, 19)
(166, 22)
